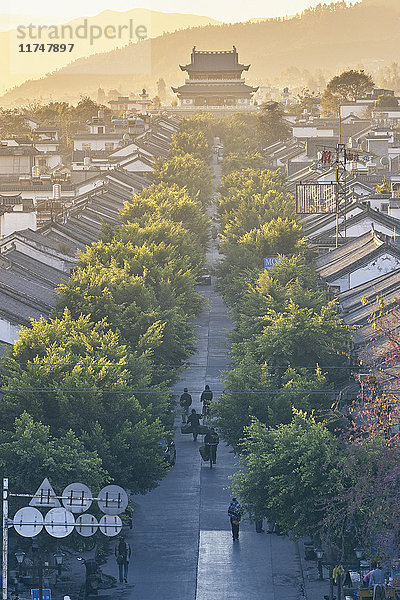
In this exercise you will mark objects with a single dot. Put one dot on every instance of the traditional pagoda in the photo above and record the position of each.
(215, 80)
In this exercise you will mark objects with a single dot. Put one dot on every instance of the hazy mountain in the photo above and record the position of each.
(325, 38)
(125, 27)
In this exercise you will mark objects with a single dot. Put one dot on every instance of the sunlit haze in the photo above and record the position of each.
(232, 10)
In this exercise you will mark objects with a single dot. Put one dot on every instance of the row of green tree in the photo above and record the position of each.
(284, 326)
(305, 463)
(86, 390)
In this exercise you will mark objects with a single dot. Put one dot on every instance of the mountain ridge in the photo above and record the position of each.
(17, 67)
(327, 39)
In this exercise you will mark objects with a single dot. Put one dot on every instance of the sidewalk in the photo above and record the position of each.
(314, 588)
(181, 540)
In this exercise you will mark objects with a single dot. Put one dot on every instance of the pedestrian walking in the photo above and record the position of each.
(259, 524)
(185, 401)
(206, 398)
(194, 421)
(211, 439)
(235, 512)
(122, 554)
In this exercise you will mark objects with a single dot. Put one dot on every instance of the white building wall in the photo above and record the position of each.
(137, 165)
(126, 150)
(386, 263)
(15, 165)
(395, 213)
(16, 221)
(36, 253)
(364, 226)
(46, 146)
(342, 282)
(88, 186)
(381, 265)
(95, 144)
(357, 109)
(9, 332)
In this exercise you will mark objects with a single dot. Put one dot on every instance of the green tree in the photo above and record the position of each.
(287, 473)
(73, 375)
(251, 213)
(278, 236)
(194, 143)
(346, 87)
(239, 134)
(383, 187)
(181, 242)
(301, 337)
(203, 123)
(248, 187)
(29, 453)
(272, 126)
(170, 202)
(386, 101)
(239, 160)
(366, 502)
(147, 293)
(13, 123)
(253, 391)
(188, 172)
(308, 102)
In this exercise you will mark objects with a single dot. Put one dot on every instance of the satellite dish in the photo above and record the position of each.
(110, 525)
(28, 521)
(59, 522)
(113, 500)
(86, 525)
(45, 497)
(77, 497)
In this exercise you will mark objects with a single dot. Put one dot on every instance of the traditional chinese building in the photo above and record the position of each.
(215, 79)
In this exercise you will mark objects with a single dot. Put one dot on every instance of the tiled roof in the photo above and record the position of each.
(346, 258)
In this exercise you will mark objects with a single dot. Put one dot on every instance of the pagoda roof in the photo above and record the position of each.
(214, 88)
(215, 60)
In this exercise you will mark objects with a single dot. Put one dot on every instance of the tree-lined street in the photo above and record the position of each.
(181, 540)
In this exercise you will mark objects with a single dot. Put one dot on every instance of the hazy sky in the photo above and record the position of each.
(226, 10)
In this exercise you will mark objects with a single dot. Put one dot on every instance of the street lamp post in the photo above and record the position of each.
(38, 563)
(319, 554)
(58, 557)
(359, 554)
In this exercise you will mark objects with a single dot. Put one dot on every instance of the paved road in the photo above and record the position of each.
(181, 540)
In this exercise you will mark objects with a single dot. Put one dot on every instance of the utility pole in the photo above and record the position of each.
(341, 191)
(341, 172)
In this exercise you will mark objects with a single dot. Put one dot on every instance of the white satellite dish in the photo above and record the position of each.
(110, 525)
(113, 500)
(28, 521)
(77, 497)
(86, 525)
(45, 497)
(59, 522)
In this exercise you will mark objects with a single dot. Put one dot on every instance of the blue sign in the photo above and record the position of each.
(271, 261)
(46, 595)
